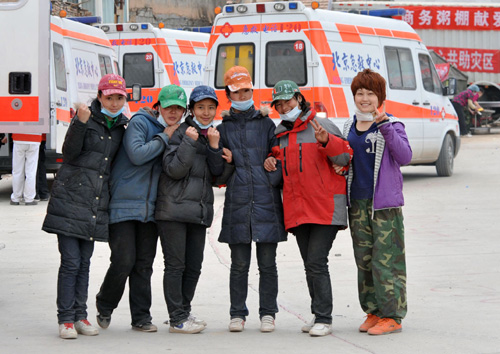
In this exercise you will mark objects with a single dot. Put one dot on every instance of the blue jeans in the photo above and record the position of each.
(73, 278)
(133, 250)
(315, 242)
(268, 279)
(183, 245)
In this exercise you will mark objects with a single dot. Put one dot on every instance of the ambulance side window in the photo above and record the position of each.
(286, 61)
(138, 68)
(400, 68)
(60, 67)
(117, 68)
(229, 55)
(105, 64)
(430, 77)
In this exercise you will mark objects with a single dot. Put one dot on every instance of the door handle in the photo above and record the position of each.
(426, 103)
(415, 103)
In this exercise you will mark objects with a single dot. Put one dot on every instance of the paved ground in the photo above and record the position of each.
(453, 251)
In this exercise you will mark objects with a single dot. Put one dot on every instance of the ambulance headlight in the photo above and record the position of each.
(292, 6)
(241, 9)
(105, 28)
(134, 27)
(279, 6)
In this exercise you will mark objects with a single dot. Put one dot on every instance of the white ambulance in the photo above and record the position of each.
(322, 51)
(48, 64)
(157, 57)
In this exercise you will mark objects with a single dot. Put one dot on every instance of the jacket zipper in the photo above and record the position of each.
(300, 156)
(284, 161)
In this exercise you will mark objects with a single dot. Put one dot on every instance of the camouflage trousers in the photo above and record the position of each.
(379, 250)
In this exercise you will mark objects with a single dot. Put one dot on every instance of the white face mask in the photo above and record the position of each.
(292, 115)
(364, 117)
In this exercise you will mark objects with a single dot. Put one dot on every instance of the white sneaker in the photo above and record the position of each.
(320, 329)
(307, 327)
(236, 325)
(267, 323)
(197, 320)
(67, 331)
(84, 327)
(188, 326)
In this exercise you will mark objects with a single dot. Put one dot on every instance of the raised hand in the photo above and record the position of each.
(83, 113)
(213, 136)
(319, 132)
(192, 133)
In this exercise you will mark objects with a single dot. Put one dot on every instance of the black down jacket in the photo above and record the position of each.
(78, 205)
(185, 189)
(252, 208)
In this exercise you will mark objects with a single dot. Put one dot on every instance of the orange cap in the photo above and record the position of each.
(237, 78)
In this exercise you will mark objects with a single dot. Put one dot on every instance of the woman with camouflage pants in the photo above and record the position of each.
(375, 192)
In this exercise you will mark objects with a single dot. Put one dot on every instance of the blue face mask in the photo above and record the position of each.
(292, 115)
(242, 106)
(201, 125)
(112, 115)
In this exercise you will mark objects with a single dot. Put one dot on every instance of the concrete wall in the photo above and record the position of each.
(175, 13)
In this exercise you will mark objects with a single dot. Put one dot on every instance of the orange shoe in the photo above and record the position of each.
(385, 326)
(371, 320)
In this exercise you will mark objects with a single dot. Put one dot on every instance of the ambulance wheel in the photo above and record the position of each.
(444, 163)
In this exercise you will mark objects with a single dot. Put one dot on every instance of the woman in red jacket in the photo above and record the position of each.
(314, 196)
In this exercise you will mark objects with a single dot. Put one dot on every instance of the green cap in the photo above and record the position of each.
(172, 95)
(284, 90)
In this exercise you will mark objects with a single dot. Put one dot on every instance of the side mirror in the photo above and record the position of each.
(136, 94)
(450, 88)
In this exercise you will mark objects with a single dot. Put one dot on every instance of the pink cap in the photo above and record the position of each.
(111, 84)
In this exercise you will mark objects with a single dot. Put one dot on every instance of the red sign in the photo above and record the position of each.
(452, 18)
(443, 70)
(467, 59)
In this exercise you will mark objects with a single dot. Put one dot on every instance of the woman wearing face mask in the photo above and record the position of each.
(184, 209)
(314, 196)
(78, 208)
(133, 234)
(252, 208)
(375, 191)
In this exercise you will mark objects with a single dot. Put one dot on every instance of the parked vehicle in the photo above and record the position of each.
(157, 57)
(48, 64)
(322, 51)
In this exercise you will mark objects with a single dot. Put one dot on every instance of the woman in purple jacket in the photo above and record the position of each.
(375, 195)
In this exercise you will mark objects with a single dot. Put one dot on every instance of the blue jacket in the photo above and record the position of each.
(252, 208)
(136, 169)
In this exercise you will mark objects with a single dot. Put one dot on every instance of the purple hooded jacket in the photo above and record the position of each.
(392, 151)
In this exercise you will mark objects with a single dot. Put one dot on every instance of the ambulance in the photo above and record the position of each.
(157, 57)
(322, 51)
(48, 64)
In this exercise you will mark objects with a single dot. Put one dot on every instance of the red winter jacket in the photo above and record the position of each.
(312, 192)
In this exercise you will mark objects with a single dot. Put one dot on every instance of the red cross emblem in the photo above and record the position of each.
(226, 30)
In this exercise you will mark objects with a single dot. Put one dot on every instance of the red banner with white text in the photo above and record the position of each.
(453, 18)
(467, 59)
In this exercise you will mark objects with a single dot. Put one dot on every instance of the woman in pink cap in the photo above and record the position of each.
(78, 206)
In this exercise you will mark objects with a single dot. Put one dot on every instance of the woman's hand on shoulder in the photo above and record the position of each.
(171, 129)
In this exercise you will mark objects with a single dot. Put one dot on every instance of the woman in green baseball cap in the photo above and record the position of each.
(314, 196)
(133, 234)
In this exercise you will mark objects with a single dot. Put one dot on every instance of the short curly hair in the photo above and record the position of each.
(369, 80)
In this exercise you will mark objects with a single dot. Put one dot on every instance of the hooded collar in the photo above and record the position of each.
(251, 113)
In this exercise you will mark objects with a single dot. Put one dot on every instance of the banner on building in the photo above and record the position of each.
(453, 18)
(467, 59)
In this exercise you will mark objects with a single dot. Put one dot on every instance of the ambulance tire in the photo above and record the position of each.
(444, 163)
